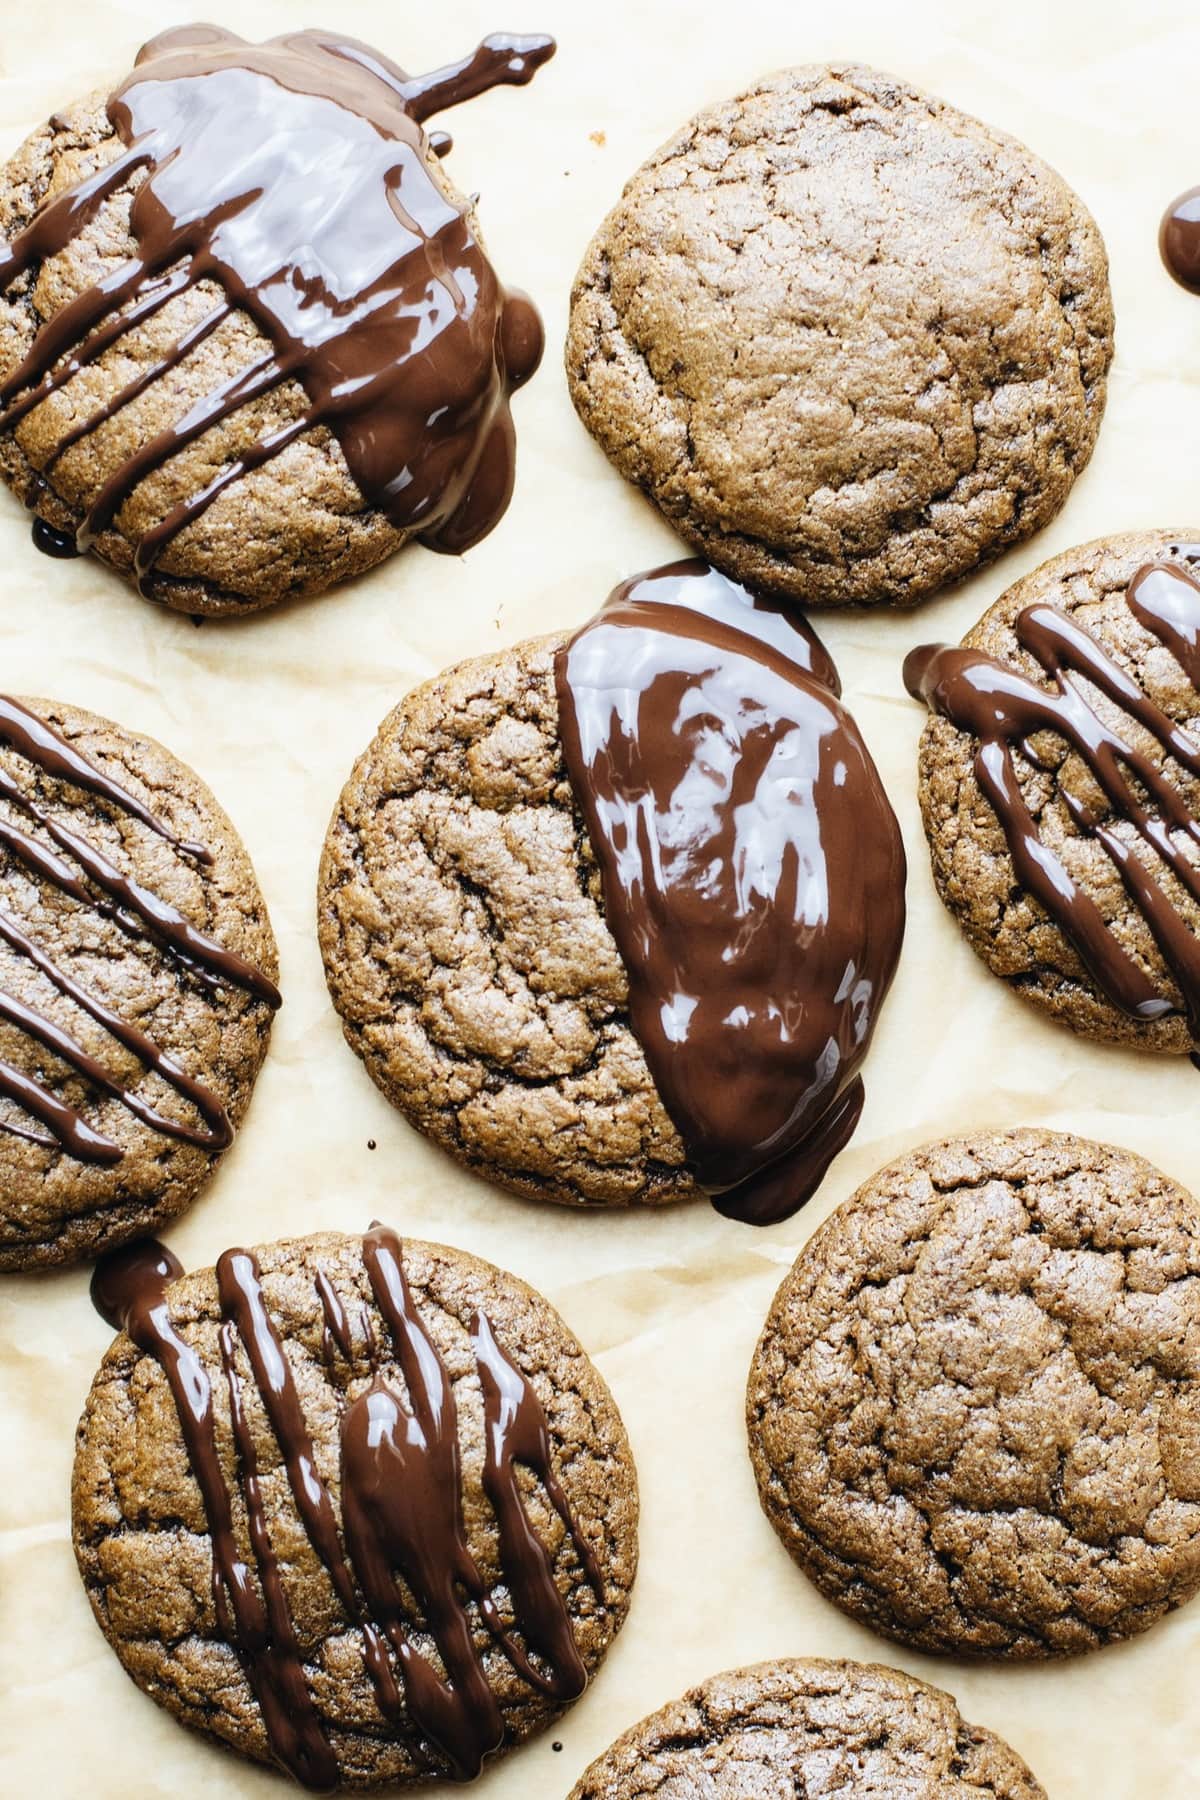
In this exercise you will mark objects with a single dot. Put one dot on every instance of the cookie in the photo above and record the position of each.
(1060, 787)
(137, 984)
(358, 1507)
(851, 342)
(807, 1726)
(603, 963)
(974, 1411)
(231, 383)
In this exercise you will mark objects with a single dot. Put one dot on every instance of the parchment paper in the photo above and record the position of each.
(272, 712)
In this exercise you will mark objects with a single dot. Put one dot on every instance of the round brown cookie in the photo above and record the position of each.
(850, 341)
(972, 863)
(809, 1727)
(99, 1139)
(288, 530)
(233, 386)
(466, 949)
(391, 1415)
(974, 1411)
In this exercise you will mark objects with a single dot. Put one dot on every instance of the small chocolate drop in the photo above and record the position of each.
(135, 1276)
(52, 542)
(1179, 240)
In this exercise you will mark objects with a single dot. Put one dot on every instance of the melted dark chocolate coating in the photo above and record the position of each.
(1004, 710)
(297, 175)
(752, 872)
(1179, 240)
(52, 542)
(136, 911)
(401, 1497)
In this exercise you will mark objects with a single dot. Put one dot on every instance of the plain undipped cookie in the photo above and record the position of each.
(809, 1727)
(54, 1206)
(974, 1411)
(851, 342)
(466, 949)
(972, 865)
(141, 1532)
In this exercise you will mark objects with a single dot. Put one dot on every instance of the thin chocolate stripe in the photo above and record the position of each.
(1003, 710)
(102, 888)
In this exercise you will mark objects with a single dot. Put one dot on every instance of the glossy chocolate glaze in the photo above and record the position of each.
(405, 1539)
(752, 872)
(1004, 710)
(297, 176)
(1179, 240)
(101, 887)
(51, 542)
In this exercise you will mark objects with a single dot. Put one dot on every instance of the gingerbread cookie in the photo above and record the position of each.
(612, 918)
(232, 362)
(137, 984)
(975, 1408)
(809, 1727)
(361, 1508)
(1060, 787)
(850, 341)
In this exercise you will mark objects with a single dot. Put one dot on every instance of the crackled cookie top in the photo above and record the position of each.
(360, 1507)
(975, 1408)
(136, 983)
(249, 254)
(1060, 786)
(613, 918)
(809, 1727)
(850, 341)
(466, 949)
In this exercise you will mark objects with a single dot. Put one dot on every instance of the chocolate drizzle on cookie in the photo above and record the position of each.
(81, 872)
(399, 1557)
(751, 867)
(1006, 711)
(296, 175)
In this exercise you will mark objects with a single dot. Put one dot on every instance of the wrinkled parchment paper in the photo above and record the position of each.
(272, 712)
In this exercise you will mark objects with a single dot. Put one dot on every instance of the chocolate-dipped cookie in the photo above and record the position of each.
(974, 1411)
(850, 341)
(611, 918)
(250, 341)
(1060, 786)
(807, 1727)
(137, 983)
(358, 1507)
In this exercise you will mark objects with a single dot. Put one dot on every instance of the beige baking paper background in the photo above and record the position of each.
(272, 712)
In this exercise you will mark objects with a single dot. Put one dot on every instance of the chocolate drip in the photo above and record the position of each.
(402, 1511)
(132, 1285)
(1179, 240)
(138, 912)
(132, 1280)
(1004, 710)
(296, 174)
(52, 542)
(752, 872)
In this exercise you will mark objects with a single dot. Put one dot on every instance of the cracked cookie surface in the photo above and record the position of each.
(466, 949)
(141, 1532)
(974, 1411)
(54, 1207)
(801, 1727)
(851, 342)
(972, 865)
